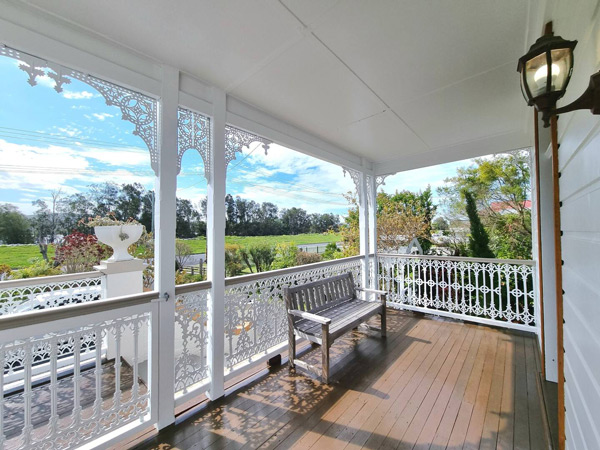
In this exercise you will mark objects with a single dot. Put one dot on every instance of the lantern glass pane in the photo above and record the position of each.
(561, 65)
(536, 74)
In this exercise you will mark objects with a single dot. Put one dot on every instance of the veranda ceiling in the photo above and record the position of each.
(400, 83)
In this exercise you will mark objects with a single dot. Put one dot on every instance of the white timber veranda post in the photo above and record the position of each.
(546, 241)
(215, 232)
(363, 221)
(372, 187)
(163, 363)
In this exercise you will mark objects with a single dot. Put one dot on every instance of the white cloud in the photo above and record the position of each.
(102, 116)
(132, 157)
(77, 95)
(34, 171)
(288, 178)
(70, 131)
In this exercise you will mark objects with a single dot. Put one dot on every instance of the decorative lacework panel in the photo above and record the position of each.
(77, 404)
(50, 295)
(191, 339)
(255, 317)
(501, 291)
(193, 132)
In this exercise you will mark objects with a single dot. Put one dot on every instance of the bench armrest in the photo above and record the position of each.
(381, 294)
(309, 316)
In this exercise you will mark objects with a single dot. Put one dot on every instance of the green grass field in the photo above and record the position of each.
(19, 256)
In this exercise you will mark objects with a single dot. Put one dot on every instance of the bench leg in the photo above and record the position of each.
(291, 348)
(383, 321)
(325, 352)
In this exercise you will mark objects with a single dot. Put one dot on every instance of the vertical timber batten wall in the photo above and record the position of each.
(579, 170)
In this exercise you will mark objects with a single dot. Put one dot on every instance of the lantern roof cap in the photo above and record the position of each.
(545, 43)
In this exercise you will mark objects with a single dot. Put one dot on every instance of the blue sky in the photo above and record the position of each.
(67, 141)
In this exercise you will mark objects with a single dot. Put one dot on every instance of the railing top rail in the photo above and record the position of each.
(76, 310)
(526, 262)
(14, 284)
(275, 273)
(191, 287)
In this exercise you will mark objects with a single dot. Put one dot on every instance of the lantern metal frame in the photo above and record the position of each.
(546, 102)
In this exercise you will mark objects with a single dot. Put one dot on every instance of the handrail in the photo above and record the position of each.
(25, 282)
(191, 287)
(275, 273)
(68, 311)
(527, 262)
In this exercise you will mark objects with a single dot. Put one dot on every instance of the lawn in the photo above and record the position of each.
(198, 245)
(19, 256)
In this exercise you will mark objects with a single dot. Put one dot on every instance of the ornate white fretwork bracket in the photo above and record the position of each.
(236, 140)
(140, 110)
(193, 132)
(355, 175)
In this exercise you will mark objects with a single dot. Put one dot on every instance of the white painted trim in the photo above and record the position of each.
(246, 117)
(363, 226)
(466, 318)
(216, 249)
(166, 189)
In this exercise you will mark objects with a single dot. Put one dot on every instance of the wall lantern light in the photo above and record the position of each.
(545, 73)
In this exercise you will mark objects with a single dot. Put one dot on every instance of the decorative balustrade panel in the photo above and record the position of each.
(49, 295)
(255, 317)
(63, 408)
(501, 291)
(191, 339)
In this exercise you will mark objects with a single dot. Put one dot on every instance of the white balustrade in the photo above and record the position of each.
(491, 291)
(64, 407)
(255, 316)
(191, 340)
(17, 296)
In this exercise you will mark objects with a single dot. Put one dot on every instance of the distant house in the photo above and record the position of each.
(506, 207)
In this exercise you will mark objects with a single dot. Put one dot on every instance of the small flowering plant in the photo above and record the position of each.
(108, 221)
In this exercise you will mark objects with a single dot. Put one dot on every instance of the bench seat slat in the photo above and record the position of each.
(340, 314)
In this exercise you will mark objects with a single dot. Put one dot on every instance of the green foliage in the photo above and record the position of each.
(233, 260)
(38, 268)
(332, 252)
(478, 240)
(287, 255)
(182, 277)
(14, 226)
(262, 256)
(501, 185)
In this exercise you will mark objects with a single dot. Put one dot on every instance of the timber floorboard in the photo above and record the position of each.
(432, 384)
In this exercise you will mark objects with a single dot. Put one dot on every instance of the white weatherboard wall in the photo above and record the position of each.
(579, 165)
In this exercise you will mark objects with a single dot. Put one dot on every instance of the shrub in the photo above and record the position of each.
(233, 260)
(38, 268)
(5, 272)
(286, 256)
(332, 251)
(308, 258)
(182, 277)
(80, 252)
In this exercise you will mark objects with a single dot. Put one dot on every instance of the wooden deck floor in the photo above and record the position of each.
(433, 384)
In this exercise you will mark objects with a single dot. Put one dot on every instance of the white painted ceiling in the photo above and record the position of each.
(383, 79)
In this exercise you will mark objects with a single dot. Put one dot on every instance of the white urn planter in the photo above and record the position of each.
(119, 238)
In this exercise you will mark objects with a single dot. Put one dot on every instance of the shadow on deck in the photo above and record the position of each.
(433, 384)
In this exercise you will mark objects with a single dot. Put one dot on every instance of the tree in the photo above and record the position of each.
(186, 218)
(440, 224)
(295, 220)
(400, 218)
(14, 226)
(129, 201)
(501, 184)
(478, 240)
(287, 255)
(183, 252)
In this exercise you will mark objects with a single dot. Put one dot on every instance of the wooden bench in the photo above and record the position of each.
(323, 310)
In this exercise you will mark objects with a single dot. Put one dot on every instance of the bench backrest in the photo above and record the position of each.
(321, 294)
